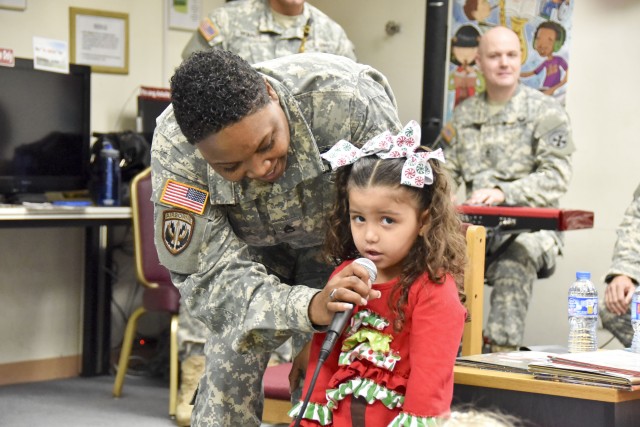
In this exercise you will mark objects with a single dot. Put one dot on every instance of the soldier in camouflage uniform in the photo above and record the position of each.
(259, 30)
(623, 275)
(241, 195)
(256, 30)
(510, 145)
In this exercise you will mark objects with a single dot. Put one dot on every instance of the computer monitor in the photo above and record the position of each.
(152, 101)
(44, 129)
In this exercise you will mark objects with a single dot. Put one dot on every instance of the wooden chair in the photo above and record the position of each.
(160, 295)
(277, 399)
(474, 288)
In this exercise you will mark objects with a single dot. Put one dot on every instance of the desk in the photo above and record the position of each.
(545, 403)
(97, 284)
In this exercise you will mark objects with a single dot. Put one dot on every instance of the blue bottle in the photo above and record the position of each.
(110, 176)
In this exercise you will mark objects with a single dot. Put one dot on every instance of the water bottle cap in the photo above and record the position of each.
(583, 275)
(109, 151)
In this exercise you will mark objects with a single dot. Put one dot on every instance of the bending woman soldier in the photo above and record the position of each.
(236, 167)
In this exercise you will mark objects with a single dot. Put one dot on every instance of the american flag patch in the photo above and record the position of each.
(207, 30)
(184, 196)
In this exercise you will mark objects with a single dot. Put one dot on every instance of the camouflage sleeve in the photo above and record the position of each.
(209, 35)
(329, 35)
(345, 47)
(626, 252)
(553, 148)
(219, 282)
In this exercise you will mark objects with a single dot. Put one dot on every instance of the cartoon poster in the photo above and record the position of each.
(544, 29)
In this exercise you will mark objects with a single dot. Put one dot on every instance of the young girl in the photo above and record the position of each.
(393, 365)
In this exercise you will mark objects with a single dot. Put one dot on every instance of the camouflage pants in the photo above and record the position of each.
(512, 276)
(192, 335)
(230, 393)
(618, 325)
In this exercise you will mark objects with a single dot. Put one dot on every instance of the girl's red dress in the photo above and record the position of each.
(406, 377)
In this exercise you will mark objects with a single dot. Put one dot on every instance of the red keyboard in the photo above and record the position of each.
(511, 218)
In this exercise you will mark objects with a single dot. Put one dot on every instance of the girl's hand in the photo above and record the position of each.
(351, 286)
(299, 367)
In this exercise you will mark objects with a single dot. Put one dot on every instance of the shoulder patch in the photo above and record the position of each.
(448, 132)
(207, 30)
(177, 229)
(184, 196)
(558, 138)
(554, 131)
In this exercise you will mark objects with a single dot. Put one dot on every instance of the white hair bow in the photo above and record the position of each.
(416, 171)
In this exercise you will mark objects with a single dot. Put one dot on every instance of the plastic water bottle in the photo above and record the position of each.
(635, 320)
(583, 314)
(110, 179)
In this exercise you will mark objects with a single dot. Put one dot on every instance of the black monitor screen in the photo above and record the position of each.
(151, 103)
(44, 128)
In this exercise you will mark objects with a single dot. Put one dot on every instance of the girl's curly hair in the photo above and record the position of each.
(442, 248)
(212, 90)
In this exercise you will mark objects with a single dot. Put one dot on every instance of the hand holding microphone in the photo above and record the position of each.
(339, 321)
(341, 318)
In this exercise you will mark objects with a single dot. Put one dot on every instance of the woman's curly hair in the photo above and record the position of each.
(441, 249)
(212, 90)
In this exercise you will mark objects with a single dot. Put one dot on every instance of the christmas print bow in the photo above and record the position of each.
(416, 171)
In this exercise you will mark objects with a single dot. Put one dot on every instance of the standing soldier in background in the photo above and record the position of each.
(255, 30)
(512, 145)
(623, 275)
(259, 30)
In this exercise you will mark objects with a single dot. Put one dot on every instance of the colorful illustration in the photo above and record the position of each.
(548, 39)
(465, 80)
(544, 30)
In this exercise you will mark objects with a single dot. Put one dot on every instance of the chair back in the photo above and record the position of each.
(475, 236)
(149, 271)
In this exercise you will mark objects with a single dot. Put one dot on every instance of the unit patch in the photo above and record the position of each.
(558, 139)
(177, 229)
(448, 132)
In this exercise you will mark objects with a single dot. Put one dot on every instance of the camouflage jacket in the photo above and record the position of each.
(325, 98)
(248, 28)
(524, 149)
(626, 252)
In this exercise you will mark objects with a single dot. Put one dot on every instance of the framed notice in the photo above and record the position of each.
(99, 39)
(13, 4)
(184, 14)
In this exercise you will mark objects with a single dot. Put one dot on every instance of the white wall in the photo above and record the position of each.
(602, 88)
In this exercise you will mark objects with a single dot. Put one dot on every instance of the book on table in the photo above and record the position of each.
(607, 368)
(511, 361)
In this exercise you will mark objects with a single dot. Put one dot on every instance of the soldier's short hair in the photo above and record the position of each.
(212, 90)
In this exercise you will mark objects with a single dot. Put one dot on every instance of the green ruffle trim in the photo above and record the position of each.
(368, 390)
(407, 420)
(314, 411)
(367, 318)
(365, 352)
(377, 340)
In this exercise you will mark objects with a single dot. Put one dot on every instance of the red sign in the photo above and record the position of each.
(7, 59)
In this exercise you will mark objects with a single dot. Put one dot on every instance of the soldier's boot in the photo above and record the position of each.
(191, 370)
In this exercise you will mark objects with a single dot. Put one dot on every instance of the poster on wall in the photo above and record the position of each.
(544, 30)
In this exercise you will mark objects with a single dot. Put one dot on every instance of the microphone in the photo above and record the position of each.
(341, 318)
